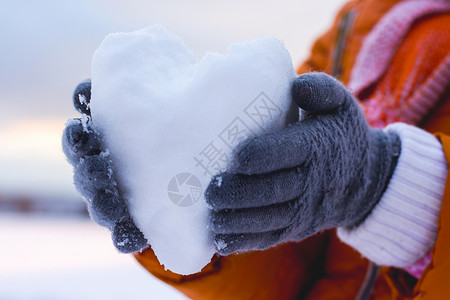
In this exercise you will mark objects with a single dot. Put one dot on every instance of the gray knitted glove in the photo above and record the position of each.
(328, 170)
(94, 176)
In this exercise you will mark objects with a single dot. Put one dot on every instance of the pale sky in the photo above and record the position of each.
(47, 48)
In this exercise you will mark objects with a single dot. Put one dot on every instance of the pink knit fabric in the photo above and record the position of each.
(373, 60)
(381, 113)
(417, 269)
(380, 45)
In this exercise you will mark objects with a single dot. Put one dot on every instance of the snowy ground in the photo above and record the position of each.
(69, 259)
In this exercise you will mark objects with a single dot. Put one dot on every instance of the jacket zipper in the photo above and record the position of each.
(345, 26)
(366, 288)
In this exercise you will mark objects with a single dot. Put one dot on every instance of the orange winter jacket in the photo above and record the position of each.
(322, 267)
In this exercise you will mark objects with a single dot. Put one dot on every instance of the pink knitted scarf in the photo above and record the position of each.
(377, 52)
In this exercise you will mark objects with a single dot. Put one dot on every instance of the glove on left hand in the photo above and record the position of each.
(95, 178)
(328, 170)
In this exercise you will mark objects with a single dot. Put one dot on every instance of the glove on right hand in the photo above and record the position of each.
(328, 170)
(95, 178)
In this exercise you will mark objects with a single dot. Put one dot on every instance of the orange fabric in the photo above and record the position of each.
(321, 267)
(278, 273)
(343, 273)
(422, 51)
(368, 13)
(434, 284)
(282, 272)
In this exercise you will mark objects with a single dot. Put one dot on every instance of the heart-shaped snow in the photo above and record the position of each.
(170, 123)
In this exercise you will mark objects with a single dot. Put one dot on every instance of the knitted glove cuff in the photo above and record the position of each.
(402, 228)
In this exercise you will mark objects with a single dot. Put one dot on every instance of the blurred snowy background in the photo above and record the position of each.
(48, 247)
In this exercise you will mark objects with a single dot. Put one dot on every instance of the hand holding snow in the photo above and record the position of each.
(171, 122)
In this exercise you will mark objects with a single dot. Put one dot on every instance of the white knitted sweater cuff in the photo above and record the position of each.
(402, 227)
